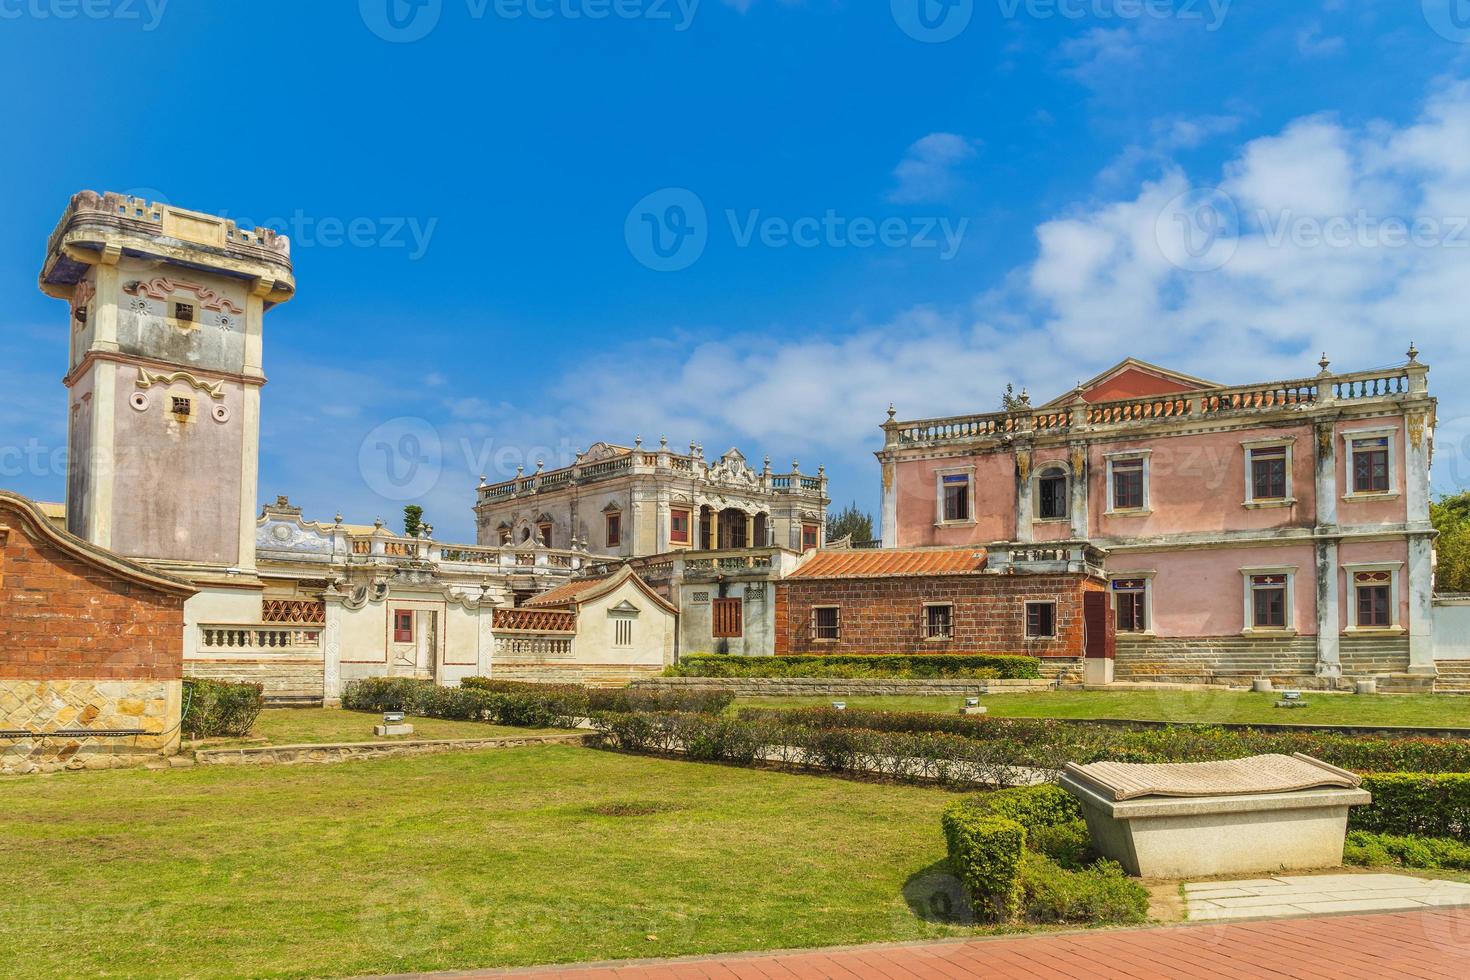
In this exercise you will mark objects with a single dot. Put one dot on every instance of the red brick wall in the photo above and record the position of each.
(65, 615)
(886, 615)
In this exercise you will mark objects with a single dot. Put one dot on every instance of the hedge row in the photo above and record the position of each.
(1024, 856)
(1416, 804)
(965, 666)
(948, 759)
(516, 703)
(1048, 743)
(221, 709)
(1410, 852)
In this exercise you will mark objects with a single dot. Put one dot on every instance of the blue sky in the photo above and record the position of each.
(876, 213)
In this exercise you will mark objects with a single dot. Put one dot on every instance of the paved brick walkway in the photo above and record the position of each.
(1371, 947)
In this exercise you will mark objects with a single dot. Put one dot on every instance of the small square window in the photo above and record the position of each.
(826, 623)
(810, 537)
(1041, 620)
(939, 622)
(181, 406)
(184, 312)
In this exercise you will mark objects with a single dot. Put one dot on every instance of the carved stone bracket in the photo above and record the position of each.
(147, 379)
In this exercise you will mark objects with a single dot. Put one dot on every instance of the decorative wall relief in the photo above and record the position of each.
(162, 288)
(214, 389)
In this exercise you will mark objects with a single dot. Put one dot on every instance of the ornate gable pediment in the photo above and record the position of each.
(599, 451)
(733, 470)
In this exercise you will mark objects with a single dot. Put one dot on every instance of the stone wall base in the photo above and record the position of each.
(592, 675)
(285, 680)
(288, 755)
(1237, 660)
(55, 715)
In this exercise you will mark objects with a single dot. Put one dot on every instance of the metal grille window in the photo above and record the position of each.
(728, 618)
(956, 498)
(1128, 490)
(1370, 465)
(1268, 601)
(1268, 473)
(184, 312)
(939, 622)
(1041, 620)
(826, 623)
(1374, 594)
(181, 406)
(1130, 597)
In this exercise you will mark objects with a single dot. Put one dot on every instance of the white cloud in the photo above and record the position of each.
(926, 174)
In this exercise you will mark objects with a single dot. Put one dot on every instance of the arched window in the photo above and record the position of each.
(1051, 494)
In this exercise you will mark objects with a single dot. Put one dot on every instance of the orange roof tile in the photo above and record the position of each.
(564, 595)
(892, 563)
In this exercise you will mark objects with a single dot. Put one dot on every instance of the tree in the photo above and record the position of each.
(413, 520)
(851, 521)
(1451, 518)
(1012, 402)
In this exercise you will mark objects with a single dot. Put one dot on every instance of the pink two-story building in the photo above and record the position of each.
(1277, 529)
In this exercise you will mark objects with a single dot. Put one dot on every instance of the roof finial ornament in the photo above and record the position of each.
(1413, 353)
(892, 413)
(663, 442)
(378, 523)
(1324, 364)
(1025, 396)
(339, 518)
(638, 441)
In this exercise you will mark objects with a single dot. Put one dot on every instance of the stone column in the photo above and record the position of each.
(888, 519)
(1077, 506)
(1420, 569)
(332, 648)
(662, 518)
(1023, 495)
(1329, 625)
(714, 529)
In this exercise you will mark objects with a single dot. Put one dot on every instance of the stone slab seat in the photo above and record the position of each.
(1262, 814)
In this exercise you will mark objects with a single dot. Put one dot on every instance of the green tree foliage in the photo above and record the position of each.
(413, 520)
(852, 521)
(1451, 517)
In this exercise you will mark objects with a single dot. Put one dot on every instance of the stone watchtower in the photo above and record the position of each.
(164, 379)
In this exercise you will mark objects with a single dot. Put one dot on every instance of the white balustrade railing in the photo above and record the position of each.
(254, 637)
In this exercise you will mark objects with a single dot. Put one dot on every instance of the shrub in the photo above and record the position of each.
(656, 700)
(986, 854)
(1409, 851)
(220, 708)
(1411, 804)
(531, 706)
(1023, 854)
(976, 666)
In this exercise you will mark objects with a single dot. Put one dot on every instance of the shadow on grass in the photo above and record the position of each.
(935, 895)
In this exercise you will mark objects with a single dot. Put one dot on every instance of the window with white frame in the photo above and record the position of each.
(1131, 604)
(939, 621)
(1041, 620)
(1372, 602)
(1268, 604)
(1370, 462)
(1128, 483)
(1268, 473)
(1051, 494)
(956, 496)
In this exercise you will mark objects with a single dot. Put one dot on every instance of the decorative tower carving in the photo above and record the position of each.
(164, 376)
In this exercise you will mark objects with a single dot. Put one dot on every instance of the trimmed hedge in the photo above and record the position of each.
(1047, 743)
(221, 709)
(1416, 804)
(1009, 849)
(1407, 851)
(964, 666)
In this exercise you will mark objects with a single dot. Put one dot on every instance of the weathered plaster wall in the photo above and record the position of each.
(1202, 592)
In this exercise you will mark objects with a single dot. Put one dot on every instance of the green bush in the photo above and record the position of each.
(1408, 851)
(1032, 741)
(658, 699)
(1409, 804)
(220, 709)
(1024, 855)
(531, 706)
(986, 853)
(970, 666)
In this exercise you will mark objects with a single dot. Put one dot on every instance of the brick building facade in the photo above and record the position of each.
(933, 601)
(89, 642)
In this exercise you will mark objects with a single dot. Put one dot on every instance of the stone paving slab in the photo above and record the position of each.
(1299, 895)
(1405, 944)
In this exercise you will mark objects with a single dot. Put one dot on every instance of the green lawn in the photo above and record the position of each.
(1245, 707)
(312, 726)
(482, 859)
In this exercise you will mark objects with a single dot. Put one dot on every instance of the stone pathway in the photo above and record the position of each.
(1297, 895)
(1362, 947)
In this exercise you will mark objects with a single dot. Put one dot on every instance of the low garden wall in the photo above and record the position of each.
(261, 755)
(748, 687)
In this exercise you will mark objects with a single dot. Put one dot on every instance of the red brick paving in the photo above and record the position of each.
(1373, 947)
